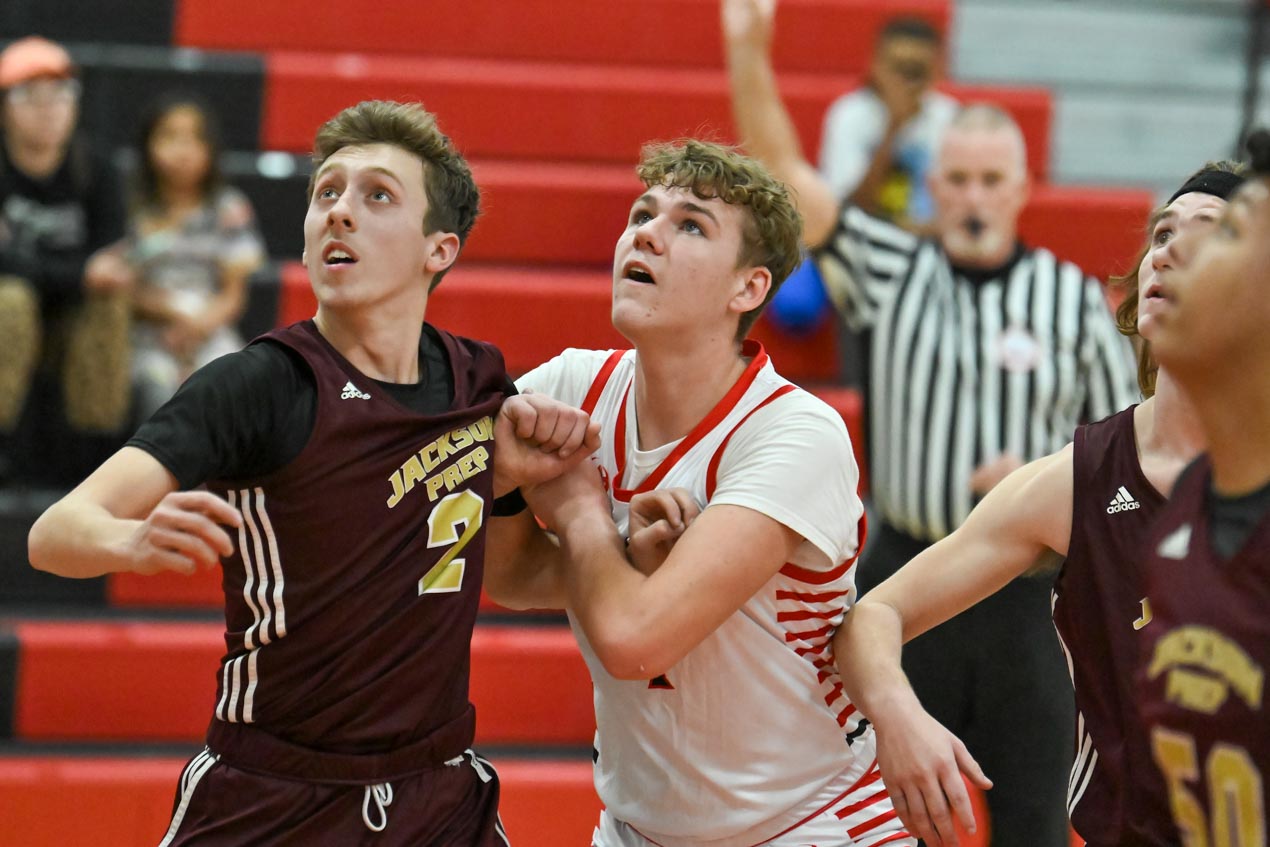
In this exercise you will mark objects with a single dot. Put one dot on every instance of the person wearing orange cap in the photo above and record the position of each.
(64, 287)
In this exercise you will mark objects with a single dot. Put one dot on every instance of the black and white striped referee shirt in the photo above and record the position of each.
(965, 369)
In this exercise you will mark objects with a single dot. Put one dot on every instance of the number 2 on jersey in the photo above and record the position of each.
(1234, 783)
(462, 508)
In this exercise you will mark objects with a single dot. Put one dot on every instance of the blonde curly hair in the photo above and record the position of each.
(772, 228)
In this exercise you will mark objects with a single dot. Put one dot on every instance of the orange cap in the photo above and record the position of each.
(32, 57)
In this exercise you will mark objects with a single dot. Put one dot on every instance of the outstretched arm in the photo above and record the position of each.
(641, 624)
(129, 516)
(762, 120)
(1025, 519)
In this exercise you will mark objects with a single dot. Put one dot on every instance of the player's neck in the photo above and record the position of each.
(381, 345)
(1233, 409)
(1172, 428)
(675, 389)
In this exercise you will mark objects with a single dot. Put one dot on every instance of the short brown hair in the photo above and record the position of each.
(1127, 311)
(772, 228)
(453, 198)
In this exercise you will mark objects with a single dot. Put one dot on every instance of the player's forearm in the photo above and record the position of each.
(523, 566)
(867, 651)
(609, 598)
(765, 126)
(80, 539)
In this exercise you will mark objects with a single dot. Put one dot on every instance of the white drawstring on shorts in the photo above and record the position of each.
(382, 793)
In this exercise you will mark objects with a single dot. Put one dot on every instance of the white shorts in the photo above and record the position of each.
(861, 817)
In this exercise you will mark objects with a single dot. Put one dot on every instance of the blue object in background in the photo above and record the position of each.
(801, 303)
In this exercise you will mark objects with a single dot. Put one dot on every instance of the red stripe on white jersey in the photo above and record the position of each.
(809, 634)
(601, 379)
(758, 359)
(809, 615)
(845, 715)
(712, 470)
(806, 597)
(814, 578)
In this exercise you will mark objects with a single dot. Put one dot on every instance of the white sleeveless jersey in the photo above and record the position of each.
(733, 742)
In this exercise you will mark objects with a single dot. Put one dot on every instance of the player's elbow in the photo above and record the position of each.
(41, 549)
(633, 651)
(505, 590)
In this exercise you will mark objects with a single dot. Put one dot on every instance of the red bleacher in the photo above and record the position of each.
(568, 214)
(834, 36)
(108, 681)
(549, 112)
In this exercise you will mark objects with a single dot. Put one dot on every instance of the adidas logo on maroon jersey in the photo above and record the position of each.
(1123, 502)
(351, 392)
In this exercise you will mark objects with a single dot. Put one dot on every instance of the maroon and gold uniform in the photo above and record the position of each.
(350, 600)
(1201, 683)
(1101, 614)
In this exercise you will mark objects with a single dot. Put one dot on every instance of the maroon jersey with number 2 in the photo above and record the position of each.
(353, 588)
(1202, 678)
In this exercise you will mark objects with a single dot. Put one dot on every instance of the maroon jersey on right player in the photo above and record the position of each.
(1100, 614)
(353, 588)
(1201, 683)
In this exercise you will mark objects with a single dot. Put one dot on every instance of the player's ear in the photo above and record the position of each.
(754, 284)
(443, 250)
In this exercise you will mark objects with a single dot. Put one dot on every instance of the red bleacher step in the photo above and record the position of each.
(556, 112)
(54, 801)
(157, 681)
(812, 35)
(199, 590)
(573, 214)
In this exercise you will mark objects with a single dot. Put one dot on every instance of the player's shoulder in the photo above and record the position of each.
(264, 362)
(790, 413)
(575, 363)
(471, 348)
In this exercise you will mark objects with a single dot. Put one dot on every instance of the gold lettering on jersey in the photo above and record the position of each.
(1203, 665)
(435, 454)
(1145, 618)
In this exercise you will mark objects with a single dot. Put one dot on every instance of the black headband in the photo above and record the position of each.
(1217, 183)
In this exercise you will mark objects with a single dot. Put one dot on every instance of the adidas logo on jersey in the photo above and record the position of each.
(350, 392)
(1123, 502)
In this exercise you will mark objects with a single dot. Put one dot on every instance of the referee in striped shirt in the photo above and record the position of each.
(982, 355)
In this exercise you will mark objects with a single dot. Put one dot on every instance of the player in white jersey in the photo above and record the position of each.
(720, 717)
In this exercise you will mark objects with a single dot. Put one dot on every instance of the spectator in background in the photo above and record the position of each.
(879, 141)
(64, 284)
(194, 244)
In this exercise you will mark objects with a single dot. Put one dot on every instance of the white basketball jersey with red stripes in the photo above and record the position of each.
(733, 742)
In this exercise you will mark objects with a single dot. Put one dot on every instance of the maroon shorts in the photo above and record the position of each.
(451, 805)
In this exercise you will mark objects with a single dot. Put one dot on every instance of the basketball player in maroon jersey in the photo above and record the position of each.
(1092, 503)
(1201, 685)
(352, 458)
